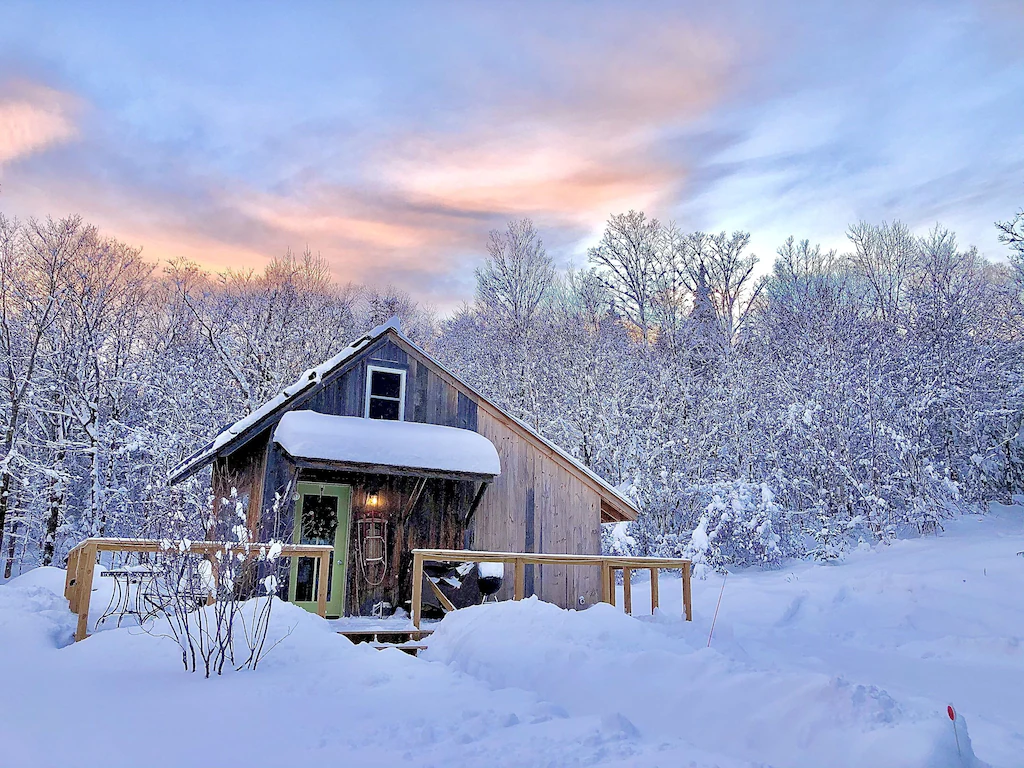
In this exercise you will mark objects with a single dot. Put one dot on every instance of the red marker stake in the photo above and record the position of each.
(952, 716)
(715, 619)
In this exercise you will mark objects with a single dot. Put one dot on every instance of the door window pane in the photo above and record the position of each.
(319, 518)
(319, 524)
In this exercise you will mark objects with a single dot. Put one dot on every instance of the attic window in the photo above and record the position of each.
(385, 393)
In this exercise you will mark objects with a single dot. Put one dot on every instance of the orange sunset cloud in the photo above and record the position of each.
(417, 204)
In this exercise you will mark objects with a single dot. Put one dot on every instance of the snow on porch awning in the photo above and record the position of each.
(373, 445)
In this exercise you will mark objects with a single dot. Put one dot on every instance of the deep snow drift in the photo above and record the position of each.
(844, 665)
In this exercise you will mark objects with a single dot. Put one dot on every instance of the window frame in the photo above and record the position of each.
(370, 369)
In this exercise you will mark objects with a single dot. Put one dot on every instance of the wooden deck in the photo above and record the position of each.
(82, 564)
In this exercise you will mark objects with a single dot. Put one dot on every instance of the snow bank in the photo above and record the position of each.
(34, 615)
(604, 663)
(350, 439)
(315, 697)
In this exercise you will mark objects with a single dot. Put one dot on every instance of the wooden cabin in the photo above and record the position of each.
(381, 450)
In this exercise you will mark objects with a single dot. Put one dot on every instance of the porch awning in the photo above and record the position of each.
(374, 445)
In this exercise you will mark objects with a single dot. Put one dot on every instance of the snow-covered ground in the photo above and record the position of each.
(843, 665)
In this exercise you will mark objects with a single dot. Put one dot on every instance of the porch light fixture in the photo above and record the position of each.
(372, 500)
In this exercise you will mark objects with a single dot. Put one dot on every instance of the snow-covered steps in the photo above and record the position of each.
(408, 641)
(410, 648)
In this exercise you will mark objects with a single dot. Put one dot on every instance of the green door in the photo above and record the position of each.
(322, 513)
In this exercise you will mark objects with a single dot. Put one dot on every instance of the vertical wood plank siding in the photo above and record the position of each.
(566, 516)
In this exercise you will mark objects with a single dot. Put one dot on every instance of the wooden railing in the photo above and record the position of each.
(82, 564)
(609, 564)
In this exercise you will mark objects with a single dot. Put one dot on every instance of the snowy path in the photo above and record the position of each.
(810, 666)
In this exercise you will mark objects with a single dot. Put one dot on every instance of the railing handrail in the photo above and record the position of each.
(199, 546)
(537, 558)
(608, 564)
(82, 563)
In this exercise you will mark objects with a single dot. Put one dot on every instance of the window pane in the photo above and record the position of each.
(383, 409)
(386, 384)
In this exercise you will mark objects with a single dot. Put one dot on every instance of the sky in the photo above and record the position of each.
(392, 137)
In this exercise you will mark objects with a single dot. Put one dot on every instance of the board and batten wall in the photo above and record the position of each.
(536, 505)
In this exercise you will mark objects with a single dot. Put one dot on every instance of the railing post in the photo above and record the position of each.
(611, 584)
(604, 581)
(654, 590)
(520, 586)
(324, 582)
(71, 580)
(627, 590)
(417, 588)
(211, 598)
(687, 605)
(86, 566)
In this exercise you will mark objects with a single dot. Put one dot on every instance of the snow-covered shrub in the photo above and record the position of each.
(831, 534)
(740, 526)
(217, 606)
(616, 539)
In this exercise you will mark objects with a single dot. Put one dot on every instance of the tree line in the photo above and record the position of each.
(839, 397)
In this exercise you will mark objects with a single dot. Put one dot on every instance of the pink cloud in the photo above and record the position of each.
(32, 118)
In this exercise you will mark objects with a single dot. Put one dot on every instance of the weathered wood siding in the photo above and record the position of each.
(429, 398)
(242, 471)
(537, 506)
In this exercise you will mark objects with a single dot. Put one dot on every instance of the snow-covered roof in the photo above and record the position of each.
(307, 380)
(409, 444)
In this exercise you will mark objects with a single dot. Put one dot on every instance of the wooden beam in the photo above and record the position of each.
(71, 579)
(520, 581)
(476, 502)
(543, 558)
(687, 597)
(323, 584)
(446, 604)
(86, 566)
(611, 584)
(417, 491)
(627, 590)
(417, 588)
(654, 590)
(383, 469)
(604, 583)
(203, 547)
